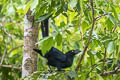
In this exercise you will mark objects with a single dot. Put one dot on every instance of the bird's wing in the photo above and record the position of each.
(56, 54)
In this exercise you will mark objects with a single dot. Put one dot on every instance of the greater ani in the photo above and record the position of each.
(58, 59)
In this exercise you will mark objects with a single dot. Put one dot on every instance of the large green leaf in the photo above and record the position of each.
(58, 39)
(85, 26)
(109, 24)
(112, 19)
(40, 10)
(46, 44)
(111, 47)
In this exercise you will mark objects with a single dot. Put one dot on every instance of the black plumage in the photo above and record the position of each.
(58, 59)
(45, 28)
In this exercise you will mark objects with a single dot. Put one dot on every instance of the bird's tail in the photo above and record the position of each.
(38, 51)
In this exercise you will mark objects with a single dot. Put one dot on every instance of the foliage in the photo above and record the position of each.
(70, 24)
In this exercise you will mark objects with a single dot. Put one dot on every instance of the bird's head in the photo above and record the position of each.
(73, 52)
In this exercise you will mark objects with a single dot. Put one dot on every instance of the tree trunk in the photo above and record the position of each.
(29, 63)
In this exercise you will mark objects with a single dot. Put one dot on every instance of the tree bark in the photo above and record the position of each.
(29, 63)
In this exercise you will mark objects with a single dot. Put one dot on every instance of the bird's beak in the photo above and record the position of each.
(77, 51)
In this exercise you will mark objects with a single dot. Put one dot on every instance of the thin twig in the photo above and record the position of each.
(15, 48)
(2, 28)
(9, 36)
(107, 73)
(89, 39)
(110, 72)
(80, 27)
(97, 18)
(92, 68)
(11, 66)
(5, 52)
(3, 56)
(104, 59)
(114, 29)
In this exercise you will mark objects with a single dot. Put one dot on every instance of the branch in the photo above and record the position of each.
(97, 18)
(3, 56)
(2, 28)
(104, 73)
(87, 7)
(11, 66)
(15, 48)
(110, 72)
(80, 27)
(89, 38)
(5, 52)
(107, 73)
(104, 59)
(113, 30)
(92, 68)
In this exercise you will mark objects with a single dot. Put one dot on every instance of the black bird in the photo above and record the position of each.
(58, 59)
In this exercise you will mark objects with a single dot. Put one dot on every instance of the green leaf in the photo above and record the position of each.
(91, 57)
(62, 24)
(11, 10)
(78, 6)
(65, 14)
(111, 47)
(67, 31)
(114, 10)
(65, 8)
(72, 74)
(43, 17)
(34, 4)
(58, 39)
(99, 77)
(73, 3)
(85, 25)
(27, 7)
(93, 52)
(46, 44)
(42, 40)
(55, 28)
(118, 24)
(1, 38)
(112, 19)
(40, 9)
(48, 1)
(119, 17)
(109, 24)
(76, 45)
(58, 12)
(99, 55)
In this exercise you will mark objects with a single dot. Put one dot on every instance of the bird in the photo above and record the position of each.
(58, 59)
